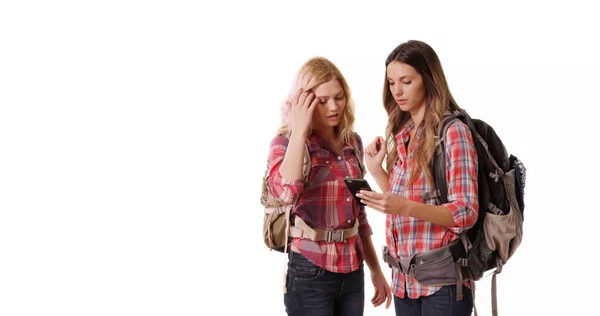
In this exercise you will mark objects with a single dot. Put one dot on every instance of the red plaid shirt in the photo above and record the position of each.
(325, 202)
(406, 235)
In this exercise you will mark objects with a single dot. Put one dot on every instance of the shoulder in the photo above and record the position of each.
(278, 147)
(279, 141)
(458, 131)
(358, 140)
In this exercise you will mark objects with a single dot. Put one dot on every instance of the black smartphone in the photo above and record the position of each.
(355, 185)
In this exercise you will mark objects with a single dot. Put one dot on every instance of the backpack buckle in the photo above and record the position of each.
(335, 235)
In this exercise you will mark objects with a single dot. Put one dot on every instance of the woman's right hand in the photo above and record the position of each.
(374, 154)
(301, 110)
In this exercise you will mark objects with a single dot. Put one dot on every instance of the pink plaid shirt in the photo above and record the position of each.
(325, 202)
(406, 235)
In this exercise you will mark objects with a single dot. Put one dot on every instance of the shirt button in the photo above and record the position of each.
(339, 157)
(327, 161)
(348, 200)
(349, 221)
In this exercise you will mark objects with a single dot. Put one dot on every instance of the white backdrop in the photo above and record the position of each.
(134, 136)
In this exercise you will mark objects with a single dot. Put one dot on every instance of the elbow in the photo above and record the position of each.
(465, 217)
(285, 192)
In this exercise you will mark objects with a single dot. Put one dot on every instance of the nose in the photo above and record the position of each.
(332, 105)
(396, 90)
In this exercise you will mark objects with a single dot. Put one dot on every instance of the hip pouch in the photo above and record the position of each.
(442, 266)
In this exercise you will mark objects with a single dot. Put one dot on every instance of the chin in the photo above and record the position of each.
(405, 107)
(334, 124)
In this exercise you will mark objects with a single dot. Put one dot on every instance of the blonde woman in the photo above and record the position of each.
(416, 96)
(325, 275)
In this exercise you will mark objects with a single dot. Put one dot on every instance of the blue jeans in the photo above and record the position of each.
(440, 303)
(314, 291)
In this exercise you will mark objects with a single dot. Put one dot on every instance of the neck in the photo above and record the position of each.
(417, 115)
(328, 133)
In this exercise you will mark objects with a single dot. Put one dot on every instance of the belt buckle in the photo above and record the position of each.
(330, 236)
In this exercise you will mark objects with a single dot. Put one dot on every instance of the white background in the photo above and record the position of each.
(134, 137)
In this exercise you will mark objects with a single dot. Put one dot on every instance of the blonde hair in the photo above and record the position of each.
(438, 98)
(314, 72)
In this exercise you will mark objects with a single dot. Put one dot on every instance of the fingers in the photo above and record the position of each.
(296, 98)
(375, 297)
(376, 147)
(370, 199)
(305, 98)
(374, 205)
(301, 98)
(376, 300)
(369, 194)
(388, 294)
(313, 104)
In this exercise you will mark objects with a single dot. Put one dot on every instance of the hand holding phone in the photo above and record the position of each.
(355, 185)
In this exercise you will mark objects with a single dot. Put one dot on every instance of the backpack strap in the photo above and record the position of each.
(357, 144)
(438, 164)
(301, 230)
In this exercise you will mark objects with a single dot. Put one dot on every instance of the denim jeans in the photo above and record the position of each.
(440, 303)
(314, 291)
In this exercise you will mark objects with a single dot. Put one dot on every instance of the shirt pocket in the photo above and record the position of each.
(353, 167)
(321, 171)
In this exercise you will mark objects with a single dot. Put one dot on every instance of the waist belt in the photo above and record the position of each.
(455, 248)
(301, 230)
(443, 266)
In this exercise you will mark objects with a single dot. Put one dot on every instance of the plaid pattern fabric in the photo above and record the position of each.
(406, 236)
(324, 202)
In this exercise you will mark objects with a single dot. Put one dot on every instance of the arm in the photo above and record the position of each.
(370, 254)
(461, 212)
(287, 155)
(461, 174)
(374, 154)
(282, 188)
(382, 178)
(382, 288)
(291, 166)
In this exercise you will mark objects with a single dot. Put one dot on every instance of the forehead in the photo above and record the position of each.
(329, 88)
(398, 69)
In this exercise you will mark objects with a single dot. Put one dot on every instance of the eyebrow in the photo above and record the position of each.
(336, 94)
(388, 78)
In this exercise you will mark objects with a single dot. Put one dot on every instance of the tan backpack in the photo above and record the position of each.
(276, 222)
(277, 228)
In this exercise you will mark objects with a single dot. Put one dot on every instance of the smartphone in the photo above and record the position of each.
(355, 185)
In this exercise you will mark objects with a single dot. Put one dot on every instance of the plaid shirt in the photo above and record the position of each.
(324, 202)
(406, 235)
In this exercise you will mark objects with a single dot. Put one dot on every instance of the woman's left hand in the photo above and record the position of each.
(383, 293)
(387, 203)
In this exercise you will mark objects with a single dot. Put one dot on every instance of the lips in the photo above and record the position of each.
(333, 116)
(401, 101)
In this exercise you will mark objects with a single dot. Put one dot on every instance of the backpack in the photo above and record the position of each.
(276, 222)
(277, 215)
(496, 235)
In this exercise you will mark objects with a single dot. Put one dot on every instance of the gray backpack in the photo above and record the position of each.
(491, 242)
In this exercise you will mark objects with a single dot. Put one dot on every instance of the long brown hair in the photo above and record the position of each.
(438, 99)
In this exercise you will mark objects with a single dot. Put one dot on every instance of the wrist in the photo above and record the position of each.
(301, 133)
(408, 208)
(378, 172)
(376, 269)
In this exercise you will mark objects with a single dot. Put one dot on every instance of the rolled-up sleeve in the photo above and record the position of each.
(461, 174)
(364, 229)
(282, 189)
